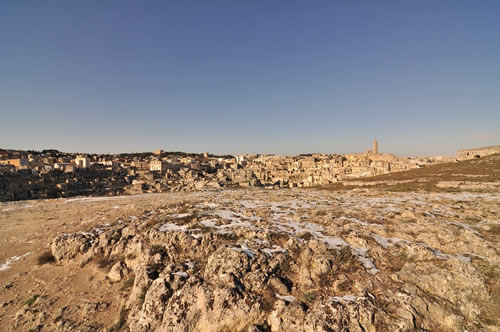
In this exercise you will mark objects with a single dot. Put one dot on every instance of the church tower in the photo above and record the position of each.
(375, 146)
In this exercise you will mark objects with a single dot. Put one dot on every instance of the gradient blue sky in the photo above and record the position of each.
(285, 77)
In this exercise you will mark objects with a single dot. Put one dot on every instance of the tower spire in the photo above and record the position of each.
(375, 146)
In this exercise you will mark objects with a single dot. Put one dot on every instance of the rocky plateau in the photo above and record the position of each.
(264, 260)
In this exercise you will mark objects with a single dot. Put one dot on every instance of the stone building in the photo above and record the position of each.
(82, 162)
(19, 162)
(158, 166)
(477, 153)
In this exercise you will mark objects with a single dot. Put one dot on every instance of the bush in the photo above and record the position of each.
(128, 284)
(122, 322)
(46, 258)
(157, 249)
(31, 300)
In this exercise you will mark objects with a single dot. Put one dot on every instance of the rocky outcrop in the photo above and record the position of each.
(302, 261)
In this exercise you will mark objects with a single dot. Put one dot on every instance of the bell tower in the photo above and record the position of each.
(375, 146)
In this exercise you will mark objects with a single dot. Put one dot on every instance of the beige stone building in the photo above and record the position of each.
(477, 153)
(82, 162)
(158, 166)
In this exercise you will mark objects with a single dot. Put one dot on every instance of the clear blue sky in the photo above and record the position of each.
(285, 77)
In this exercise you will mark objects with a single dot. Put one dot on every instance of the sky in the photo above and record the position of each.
(282, 76)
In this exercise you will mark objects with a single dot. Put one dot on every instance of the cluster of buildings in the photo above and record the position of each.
(317, 169)
(51, 173)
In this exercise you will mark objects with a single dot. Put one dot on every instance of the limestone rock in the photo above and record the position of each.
(117, 272)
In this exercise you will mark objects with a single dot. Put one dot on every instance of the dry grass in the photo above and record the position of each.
(486, 169)
(345, 260)
(490, 313)
(306, 236)
(311, 296)
(157, 249)
(106, 262)
(122, 322)
(128, 284)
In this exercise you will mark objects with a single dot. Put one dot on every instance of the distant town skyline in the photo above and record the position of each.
(423, 78)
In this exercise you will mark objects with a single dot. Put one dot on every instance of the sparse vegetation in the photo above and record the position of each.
(122, 322)
(154, 270)
(157, 249)
(187, 219)
(128, 283)
(344, 259)
(306, 236)
(425, 179)
(104, 262)
(31, 300)
(227, 236)
(268, 299)
(490, 314)
(311, 296)
(345, 286)
(142, 296)
(153, 222)
(277, 237)
(46, 258)
(321, 213)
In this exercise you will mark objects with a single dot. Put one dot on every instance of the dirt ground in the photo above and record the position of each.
(26, 230)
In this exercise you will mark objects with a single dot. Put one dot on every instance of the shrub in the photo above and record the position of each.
(122, 322)
(157, 249)
(31, 300)
(128, 283)
(306, 236)
(46, 258)
(311, 296)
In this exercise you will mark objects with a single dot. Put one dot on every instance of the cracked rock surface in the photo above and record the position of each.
(300, 260)
(252, 260)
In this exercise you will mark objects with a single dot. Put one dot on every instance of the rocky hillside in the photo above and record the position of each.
(260, 260)
(478, 175)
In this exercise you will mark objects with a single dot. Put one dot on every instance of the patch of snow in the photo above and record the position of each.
(461, 225)
(179, 215)
(172, 227)
(244, 249)
(436, 252)
(345, 298)
(286, 298)
(189, 265)
(270, 252)
(333, 242)
(476, 255)
(10, 260)
(208, 205)
(183, 275)
(464, 258)
(368, 264)
(381, 240)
